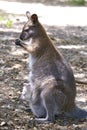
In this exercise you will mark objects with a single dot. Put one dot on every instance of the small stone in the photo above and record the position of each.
(3, 123)
(10, 123)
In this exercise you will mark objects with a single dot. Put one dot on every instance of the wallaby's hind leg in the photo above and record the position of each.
(49, 107)
(53, 102)
(38, 109)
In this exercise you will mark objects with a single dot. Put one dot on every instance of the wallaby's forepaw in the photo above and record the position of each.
(18, 42)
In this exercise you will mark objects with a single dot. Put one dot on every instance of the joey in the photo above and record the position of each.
(51, 88)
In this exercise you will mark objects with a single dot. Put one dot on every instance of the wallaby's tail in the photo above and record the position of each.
(77, 113)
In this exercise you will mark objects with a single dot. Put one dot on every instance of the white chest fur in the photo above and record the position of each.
(32, 60)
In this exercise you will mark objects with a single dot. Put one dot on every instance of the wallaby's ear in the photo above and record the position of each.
(28, 14)
(34, 18)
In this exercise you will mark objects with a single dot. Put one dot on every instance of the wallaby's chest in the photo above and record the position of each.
(32, 61)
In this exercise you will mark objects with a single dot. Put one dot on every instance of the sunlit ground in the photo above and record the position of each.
(50, 15)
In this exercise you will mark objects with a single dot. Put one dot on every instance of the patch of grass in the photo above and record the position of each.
(78, 2)
(2, 18)
(9, 23)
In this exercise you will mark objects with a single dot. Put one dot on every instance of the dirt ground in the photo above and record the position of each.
(72, 42)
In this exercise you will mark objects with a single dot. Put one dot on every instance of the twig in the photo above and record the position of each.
(81, 82)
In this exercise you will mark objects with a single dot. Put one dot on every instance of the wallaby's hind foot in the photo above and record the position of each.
(45, 120)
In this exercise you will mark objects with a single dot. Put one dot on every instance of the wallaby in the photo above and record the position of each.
(51, 88)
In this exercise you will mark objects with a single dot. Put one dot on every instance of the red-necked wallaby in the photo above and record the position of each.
(51, 88)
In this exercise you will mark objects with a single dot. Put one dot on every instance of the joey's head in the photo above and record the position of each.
(30, 29)
(25, 93)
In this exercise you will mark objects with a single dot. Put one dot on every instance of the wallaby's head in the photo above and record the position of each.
(30, 27)
(34, 34)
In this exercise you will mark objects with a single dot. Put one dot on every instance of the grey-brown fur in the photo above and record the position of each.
(52, 85)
